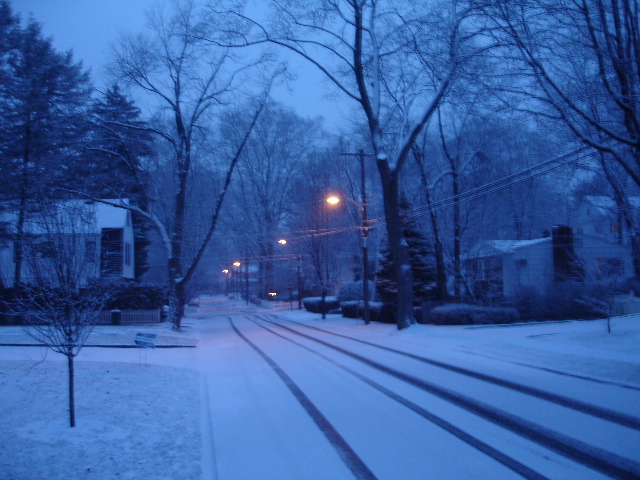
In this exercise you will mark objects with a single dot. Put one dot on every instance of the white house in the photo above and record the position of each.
(92, 238)
(507, 266)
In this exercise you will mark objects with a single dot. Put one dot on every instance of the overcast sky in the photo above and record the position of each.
(91, 27)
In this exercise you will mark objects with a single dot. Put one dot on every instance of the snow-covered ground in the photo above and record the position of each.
(217, 410)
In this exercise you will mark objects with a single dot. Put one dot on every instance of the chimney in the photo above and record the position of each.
(564, 258)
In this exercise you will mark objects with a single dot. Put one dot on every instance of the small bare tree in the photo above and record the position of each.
(59, 307)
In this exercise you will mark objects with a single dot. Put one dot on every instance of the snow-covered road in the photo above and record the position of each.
(389, 414)
(284, 395)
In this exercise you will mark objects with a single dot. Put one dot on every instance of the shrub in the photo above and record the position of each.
(350, 291)
(378, 311)
(564, 301)
(314, 304)
(352, 309)
(135, 296)
(382, 312)
(573, 300)
(463, 314)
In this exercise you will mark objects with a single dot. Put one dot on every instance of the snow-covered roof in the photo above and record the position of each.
(490, 248)
(76, 216)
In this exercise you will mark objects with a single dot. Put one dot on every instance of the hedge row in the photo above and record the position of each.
(463, 314)
(378, 311)
(450, 314)
(314, 304)
(123, 296)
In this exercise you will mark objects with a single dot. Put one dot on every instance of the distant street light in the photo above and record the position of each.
(226, 282)
(237, 283)
(283, 242)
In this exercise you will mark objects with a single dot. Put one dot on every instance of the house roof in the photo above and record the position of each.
(490, 248)
(75, 216)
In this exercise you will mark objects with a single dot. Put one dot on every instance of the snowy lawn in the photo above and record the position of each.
(141, 415)
(132, 419)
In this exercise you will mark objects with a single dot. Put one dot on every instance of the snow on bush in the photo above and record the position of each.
(350, 291)
(314, 304)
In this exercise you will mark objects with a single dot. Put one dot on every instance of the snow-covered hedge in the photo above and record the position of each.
(463, 314)
(314, 304)
(378, 311)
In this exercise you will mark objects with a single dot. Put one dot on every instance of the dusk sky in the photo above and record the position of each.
(91, 27)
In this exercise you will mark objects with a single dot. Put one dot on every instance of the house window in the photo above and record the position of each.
(111, 252)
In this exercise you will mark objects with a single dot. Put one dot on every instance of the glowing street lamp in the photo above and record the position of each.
(226, 283)
(283, 242)
(237, 282)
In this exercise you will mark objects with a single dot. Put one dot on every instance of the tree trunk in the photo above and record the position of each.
(177, 301)
(635, 252)
(72, 400)
(398, 246)
(18, 244)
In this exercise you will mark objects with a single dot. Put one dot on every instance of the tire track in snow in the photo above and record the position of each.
(469, 439)
(593, 410)
(344, 450)
(596, 458)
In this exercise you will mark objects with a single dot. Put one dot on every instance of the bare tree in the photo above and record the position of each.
(187, 78)
(58, 305)
(395, 59)
(263, 193)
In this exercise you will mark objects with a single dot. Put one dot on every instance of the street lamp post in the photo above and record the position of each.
(283, 242)
(365, 234)
(226, 281)
(237, 279)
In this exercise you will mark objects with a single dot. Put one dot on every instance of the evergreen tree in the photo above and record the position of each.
(118, 141)
(42, 99)
(422, 258)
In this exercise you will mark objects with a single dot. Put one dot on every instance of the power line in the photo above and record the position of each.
(502, 183)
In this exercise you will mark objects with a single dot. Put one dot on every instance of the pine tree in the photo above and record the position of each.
(42, 100)
(422, 263)
(117, 142)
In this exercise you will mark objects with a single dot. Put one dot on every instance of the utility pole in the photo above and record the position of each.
(365, 234)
